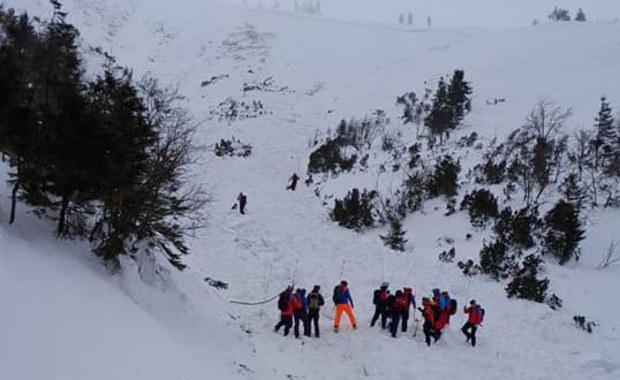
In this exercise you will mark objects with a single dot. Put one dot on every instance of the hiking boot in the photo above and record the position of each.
(336, 329)
(354, 327)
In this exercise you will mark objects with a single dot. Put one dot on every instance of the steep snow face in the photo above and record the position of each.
(301, 76)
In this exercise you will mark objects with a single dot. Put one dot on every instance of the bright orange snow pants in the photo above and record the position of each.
(344, 308)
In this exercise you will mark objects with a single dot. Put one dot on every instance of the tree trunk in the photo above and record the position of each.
(62, 218)
(14, 200)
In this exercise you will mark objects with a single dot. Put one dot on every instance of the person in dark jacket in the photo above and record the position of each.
(300, 313)
(315, 301)
(409, 298)
(243, 200)
(292, 182)
(396, 311)
(474, 319)
(379, 299)
(286, 306)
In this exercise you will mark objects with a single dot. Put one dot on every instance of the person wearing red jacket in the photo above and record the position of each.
(474, 319)
(286, 305)
(429, 321)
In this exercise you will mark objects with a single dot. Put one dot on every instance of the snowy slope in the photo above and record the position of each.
(348, 63)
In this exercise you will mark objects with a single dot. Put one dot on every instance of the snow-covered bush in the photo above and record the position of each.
(584, 324)
(355, 210)
(233, 147)
(496, 260)
(481, 205)
(331, 157)
(447, 256)
(444, 180)
(559, 14)
(525, 284)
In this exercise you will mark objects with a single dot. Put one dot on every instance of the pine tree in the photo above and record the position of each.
(564, 232)
(395, 239)
(580, 16)
(459, 92)
(604, 141)
(440, 118)
(573, 191)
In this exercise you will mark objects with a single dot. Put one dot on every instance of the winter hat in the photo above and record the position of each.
(385, 285)
(436, 291)
(399, 293)
(472, 302)
(344, 283)
(316, 288)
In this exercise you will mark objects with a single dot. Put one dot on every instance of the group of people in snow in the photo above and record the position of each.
(300, 310)
(242, 199)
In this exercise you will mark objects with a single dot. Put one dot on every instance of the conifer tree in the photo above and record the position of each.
(395, 239)
(580, 16)
(564, 231)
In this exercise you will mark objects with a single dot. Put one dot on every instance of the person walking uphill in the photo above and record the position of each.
(243, 200)
(286, 306)
(293, 182)
(344, 304)
(315, 301)
(476, 315)
(379, 299)
(300, 314)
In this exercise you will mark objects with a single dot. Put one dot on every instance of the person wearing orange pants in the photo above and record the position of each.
(344, 304)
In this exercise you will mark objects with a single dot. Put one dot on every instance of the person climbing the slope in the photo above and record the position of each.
(292, 182)
(242, 199)
(286, 307)
(344, 304)
(315, 301)
(300, 314)
(379, 299)
(475, 316)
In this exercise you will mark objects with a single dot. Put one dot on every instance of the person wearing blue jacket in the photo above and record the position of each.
(344, 304)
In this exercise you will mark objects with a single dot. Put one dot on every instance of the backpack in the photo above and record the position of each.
(337, 294)
(480, 312)
(453, 306)
(283, 301)
(314, 301)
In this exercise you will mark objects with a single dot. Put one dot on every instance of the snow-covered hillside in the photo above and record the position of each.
(64, 318)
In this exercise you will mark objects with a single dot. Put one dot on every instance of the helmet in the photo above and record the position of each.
(436, 291)
(385, 284)
(472, 302)
(316, 288)
(344, 282)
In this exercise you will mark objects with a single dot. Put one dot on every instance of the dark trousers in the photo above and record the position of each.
(379, 312)
(242, 207)
(404, 316)
(292, 186)
(301, 317)
(469, 329)
(313, 317)
(287, 322)
(429, 332)
(394, 322)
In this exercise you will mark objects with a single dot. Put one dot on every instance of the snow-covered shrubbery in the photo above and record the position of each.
(355, 210)
(232, 148)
